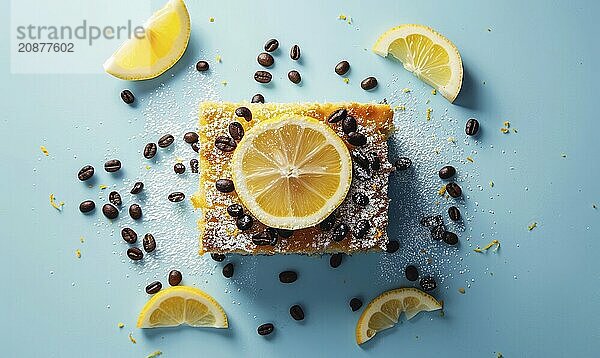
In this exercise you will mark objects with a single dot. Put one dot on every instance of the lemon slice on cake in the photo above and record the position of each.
(164, 41)
(182, 305)
(291, 172)
(427, 54)
(384, 310)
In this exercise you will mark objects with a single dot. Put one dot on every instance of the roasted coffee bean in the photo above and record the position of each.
(176, 196)
(294, 76)
(110, 211)
(454, 213)
(264, 59)
(427, 283)
(149, 243)
(150, 150)
(224, 185)
(271, 45)
(362, 228)
(166, 140)
(137, 188)
(337, 116)
(194, 165)
(217, 257)
(437, 232)
(355, 304)
(411, 273)
(472, 126)
(258, 98)
(403, 163)
(265, 238)
(195, 147)
(285, 233)
(244, 112)
(339, 232)
(175, 277)
(236, 131)
(127, 96)
(375, 162)
(447, 172)
(327, 224)
(85, 173)
(225, 143)
(336, 260)
(190, 137)
(392, 246)
(153, 287)
(129, 235)
(349, 124)
(265, 329)
(453, 190)
(361, 160)
(87, 206)
(179, 168)
(360, 199)
(235, 210)
(228, 270)
(295, 53)
(115, 198)
(262, 76)
(357, 139)
(112, 165)
(135, 254)
(432, 221)
(288, 276)
(342, 67)
(135, 211)
(244, 222)
(297, 313)
(450, 238)
(368, 83)
(202, 66)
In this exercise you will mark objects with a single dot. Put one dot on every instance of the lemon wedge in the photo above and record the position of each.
(291, 172)
(179, 305)
(384, 310)
(164, 41)
(428, 55)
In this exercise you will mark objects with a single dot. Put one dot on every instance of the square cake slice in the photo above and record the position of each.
(218, 230)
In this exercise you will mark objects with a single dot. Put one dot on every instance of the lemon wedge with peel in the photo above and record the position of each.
(182, 305)
(384, 310)
(427, 54)
(165, 38)
(291, 172)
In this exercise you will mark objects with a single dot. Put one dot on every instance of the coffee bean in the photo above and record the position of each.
(392, 246)
(235, 210)
(342, 67)
(360, 199)
(224, 185)
(127, 96)
(336, 260)
(264, 238)
(447, 172)
(355, 304)
(135, 254)
(236, 131)
(150, 150)
(375, 162)
(258, 98)
(285, 233)
(454, 213)
(135, 211)
(271, 45)
(450, 238)
(202, 66)
(129, 235)
(87, 206)
(176, 196)
(349, 124)
(217, 257)
(190, 137)
(115, 198)
(427, 283)
(288, 276)
(179, 168)
(368, 83)
(437, 232)
(297, 313)
(175, 277)
(166, 140)
(357, 139)
(265, 329)
(361, 160)
(327, 224)
(411, 273)
(112, 165)
(453, 190)
(402, 163)
(228, 270)
(264, 59)
(225, 143)
(110, 211)
(339, 232)
(153, 287)
(194, 165)
(244, 222)
(432, 221)
(149, 243)
(195, 147)
(244, 112)
(337, 116)
(294, 76)
(85, 173)
(362, 228)
(262, 76)
(295, 53)
(472, 126)
(137, 188)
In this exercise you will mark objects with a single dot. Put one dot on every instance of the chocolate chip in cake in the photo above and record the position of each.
(357, 139)
(235, 210)
(225, 143)
(362, 228)
(264, 238)
(285, 233)
(327, 224)
(244, 222)
(349, 124)
(360, 199)
(339, 232)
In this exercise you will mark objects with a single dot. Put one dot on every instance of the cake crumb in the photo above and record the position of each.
(434, 91)
(211, 19)
(44, 150)
(154, 354)
(532, 226)
(461, 290)
(218, 58)
(131, 338)
(470, 159)
(120, 324)
(406, 90)
(78, 253)
(488, 246)
(102, 186)
(55, 205)
(346, 80)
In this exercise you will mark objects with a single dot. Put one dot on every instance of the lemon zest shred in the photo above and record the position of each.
(488, 246)
(78, 253)
(120, 324)
(461, 290)
(428, 113)
(451, 140)
(346, 80)
(532, 226)
(491, 184)
(506, 124)
(44, 150)
(154, 354)
(81, 239)
(406, 90)
(148, 167)
(342, 17)
(224, 83)
(131, 338)
(442, 191)
(504, 130)
(55, 205)
(434, 91)
(470, 159)
(211, 19)
(102, 186)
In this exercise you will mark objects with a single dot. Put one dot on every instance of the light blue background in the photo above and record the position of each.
(539, 64)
